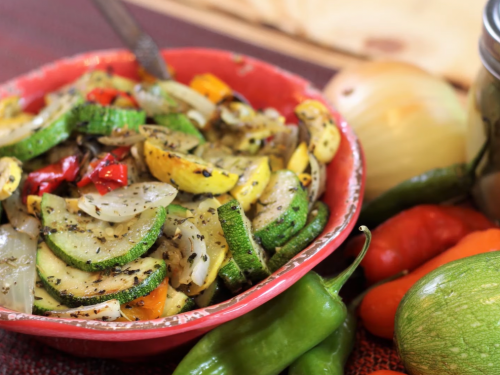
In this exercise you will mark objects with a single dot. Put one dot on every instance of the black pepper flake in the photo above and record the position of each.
(58, 281)
(12, 178)
(279, 208)
(296, 209)
(136, 280)
(191, 258)
(206, 173)
(89, 261)
(102, 291)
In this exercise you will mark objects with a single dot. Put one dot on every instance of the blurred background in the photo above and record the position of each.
(314, 38)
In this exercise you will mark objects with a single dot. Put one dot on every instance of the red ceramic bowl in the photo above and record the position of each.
(264, 85)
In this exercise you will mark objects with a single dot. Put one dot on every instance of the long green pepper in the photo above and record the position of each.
(329, 357)
(268, 339)
(435, 186)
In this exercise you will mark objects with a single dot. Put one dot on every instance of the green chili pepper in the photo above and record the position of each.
(330, 356)
(268, 339)
(433, 187)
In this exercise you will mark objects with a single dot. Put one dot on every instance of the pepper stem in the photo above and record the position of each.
(334, 285)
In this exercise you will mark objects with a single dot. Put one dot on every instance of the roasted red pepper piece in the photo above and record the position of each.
(106, 173)
(414, 236)
(107, 96)
(47, 179)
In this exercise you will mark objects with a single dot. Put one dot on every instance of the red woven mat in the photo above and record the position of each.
(23, 355)
(34, 32)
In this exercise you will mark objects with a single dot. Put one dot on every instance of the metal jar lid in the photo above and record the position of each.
(489, 44)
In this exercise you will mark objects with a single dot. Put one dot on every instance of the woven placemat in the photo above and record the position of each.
(35, 32)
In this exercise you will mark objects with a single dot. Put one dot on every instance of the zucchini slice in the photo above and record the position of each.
(177, 303)
(179, 122)
(281, 210)
(98, 119)
(44, 302)
(51, 126)
(231, 274)
(91, 244)
(247, 253)
(187, 172)
(316, 222)
(106, 311)
(75, 288)
(215, 293)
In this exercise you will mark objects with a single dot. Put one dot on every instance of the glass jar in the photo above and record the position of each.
(484, 114)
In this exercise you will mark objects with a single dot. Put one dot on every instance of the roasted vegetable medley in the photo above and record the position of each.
(128, 200)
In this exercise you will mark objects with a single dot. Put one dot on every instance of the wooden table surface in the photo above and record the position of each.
(438, 35)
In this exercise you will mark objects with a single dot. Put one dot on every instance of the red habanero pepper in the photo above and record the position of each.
(47, 179)
(414, 236)
(107, 96)
(106, 173)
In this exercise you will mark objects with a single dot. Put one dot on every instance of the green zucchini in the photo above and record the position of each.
(91, 244)
(98, 119)
(214, 294)
(74, 287)
(316, 222)
(56, 127)
(281, 210)
(43, 301)
(247, 253)
(231, 274)
(447, 323)
(179, 122)
(177, 303)
(178, 210)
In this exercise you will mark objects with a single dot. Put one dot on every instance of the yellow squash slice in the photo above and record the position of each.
(10, 176)
(325, 136)
(187, 172)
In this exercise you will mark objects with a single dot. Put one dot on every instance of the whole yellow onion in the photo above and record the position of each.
(408, 121)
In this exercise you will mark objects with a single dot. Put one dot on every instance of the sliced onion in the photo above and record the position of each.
(184, 251)
(19, 218)
(152, 102)
(283, 144)
(122, 138)
(318, 180)
(167, 138)
(50, 113)
(105, 311)
(124, 203)
(197, 117)
(17, 269)
(137, 151)
(190, 96)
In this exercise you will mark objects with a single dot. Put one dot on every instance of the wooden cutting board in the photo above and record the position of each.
(438, 35)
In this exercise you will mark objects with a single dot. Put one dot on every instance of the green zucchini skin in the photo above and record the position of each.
(447, 323)
(56, 276)
(287, 219)
(316, 222)
(59, 226)
(44, 139)
(231, 274)
(179, 122)
(248, 255)
(44, 302)
(98, 119)
(213, 295)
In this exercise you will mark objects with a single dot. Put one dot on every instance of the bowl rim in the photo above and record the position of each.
(241, 303)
